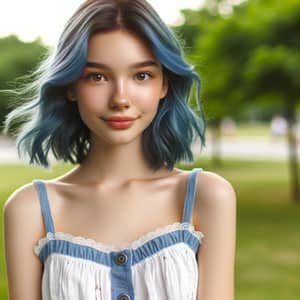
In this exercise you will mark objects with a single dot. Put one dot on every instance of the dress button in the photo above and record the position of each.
(120, 260)
(124, 297)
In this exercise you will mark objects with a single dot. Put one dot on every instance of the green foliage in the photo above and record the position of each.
(17, 60)
(274, 69)
(249, 56)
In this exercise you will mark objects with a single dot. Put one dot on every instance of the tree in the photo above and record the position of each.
(250, 55)
(217, 54)
(273, 69)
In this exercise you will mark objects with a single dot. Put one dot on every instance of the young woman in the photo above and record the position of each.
(124, 223)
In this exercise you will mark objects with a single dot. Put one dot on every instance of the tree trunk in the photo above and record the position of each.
(293, 157)
(216, 143)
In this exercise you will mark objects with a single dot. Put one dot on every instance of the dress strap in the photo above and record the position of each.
(190, 195)
(44, 202)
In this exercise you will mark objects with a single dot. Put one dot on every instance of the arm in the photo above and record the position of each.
(23, 226)
(216, 215)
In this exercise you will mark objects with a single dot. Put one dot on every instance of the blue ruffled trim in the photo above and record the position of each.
(134, 255)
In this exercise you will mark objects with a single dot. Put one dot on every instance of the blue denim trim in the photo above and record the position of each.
(74, 250)
(136, 255)
(155, 245)
(44, 202)
(121, 276)
(190, 195)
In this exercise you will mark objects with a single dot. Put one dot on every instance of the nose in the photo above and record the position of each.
(120, 98)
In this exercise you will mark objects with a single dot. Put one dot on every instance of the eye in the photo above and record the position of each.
(96, 77)
(142, 76)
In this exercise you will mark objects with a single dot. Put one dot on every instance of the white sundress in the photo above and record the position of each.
(161, 265)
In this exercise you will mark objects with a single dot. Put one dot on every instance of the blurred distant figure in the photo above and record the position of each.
(278, 126)
(228, 126)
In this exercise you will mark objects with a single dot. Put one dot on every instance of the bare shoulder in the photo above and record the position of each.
(22, 206)
(215, 198)
(23, 227)
(215, 215)
(20, 198)
(213, 189)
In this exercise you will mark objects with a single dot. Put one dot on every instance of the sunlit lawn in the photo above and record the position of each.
(268, 243)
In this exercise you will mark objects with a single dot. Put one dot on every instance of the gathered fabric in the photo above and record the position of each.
(160, 265)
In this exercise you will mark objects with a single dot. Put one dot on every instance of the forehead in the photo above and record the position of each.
(118, 47)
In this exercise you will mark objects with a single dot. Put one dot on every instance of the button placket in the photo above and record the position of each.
(121, 275)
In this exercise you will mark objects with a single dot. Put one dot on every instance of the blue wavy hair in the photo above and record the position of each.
(53, 123)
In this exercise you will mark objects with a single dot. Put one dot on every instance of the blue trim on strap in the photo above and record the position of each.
(136, 255)
(190, 195)
(43, 197)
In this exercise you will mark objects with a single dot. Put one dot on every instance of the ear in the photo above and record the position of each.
(164, 89)
(70, 94)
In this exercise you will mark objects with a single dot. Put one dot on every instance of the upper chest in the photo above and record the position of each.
(117, 214)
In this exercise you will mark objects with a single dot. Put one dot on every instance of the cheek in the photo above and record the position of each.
(91, 99)
(149, 98)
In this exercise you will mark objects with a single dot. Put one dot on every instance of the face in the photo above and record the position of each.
(120, 88)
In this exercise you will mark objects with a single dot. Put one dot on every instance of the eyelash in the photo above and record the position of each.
(93, 76)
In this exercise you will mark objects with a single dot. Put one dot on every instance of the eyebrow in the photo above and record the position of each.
(147, 63)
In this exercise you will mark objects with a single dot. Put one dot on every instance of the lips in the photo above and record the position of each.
(120, 119)
(120, 122)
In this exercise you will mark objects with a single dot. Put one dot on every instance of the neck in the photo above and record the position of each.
(114, 163)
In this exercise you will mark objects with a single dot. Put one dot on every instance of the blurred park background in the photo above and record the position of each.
(248, 56)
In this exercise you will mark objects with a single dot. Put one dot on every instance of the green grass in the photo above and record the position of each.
(268, 226)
